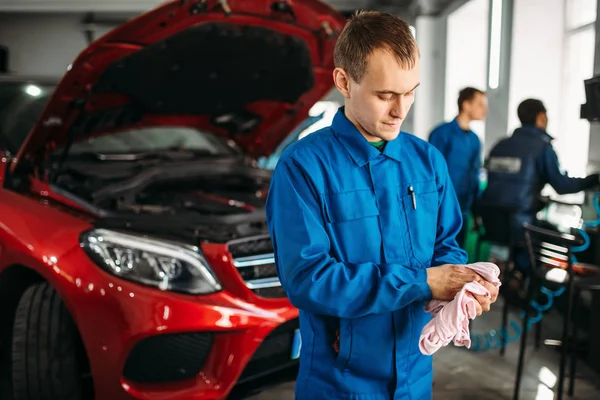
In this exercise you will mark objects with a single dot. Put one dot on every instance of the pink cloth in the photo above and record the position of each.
(450, 320)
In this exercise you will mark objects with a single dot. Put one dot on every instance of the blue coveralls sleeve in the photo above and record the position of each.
(447, 250)
(560, 181)
(313, 280)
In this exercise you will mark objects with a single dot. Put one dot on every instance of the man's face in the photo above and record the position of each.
(378, 105)
(477, 108)
(542, 121)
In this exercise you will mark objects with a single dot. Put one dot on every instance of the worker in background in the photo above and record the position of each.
(518, 169)
(461, 148)
(363, 219)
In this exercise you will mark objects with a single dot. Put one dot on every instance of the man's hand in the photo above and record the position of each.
(447, 280)
(484, 301)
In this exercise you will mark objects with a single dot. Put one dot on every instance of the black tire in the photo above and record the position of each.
(44, 348)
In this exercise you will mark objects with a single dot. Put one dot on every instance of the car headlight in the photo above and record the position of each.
(161, 264)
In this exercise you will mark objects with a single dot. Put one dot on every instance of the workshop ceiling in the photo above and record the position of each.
(409, 8)
(404, 8)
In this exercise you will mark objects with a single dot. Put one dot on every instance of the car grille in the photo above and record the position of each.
(168, 357)
(255, 262)
(273, 354)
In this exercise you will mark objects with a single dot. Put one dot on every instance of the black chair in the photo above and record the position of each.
(580, 286)
(550, 249)
(496, 222)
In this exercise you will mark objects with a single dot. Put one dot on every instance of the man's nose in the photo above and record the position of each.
(400, 108)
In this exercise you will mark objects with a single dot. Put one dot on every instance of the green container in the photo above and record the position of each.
(471, 244)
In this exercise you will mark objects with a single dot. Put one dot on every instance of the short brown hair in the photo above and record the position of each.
(367, 31)
(467, 94)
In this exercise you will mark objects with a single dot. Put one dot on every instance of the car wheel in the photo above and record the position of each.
(44, 348)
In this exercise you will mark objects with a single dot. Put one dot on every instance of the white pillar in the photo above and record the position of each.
(499, 72)
(466, 56)
(429, 99)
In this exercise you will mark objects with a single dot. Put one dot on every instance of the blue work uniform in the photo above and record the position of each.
(462, 151)
(353, 229)
(519, 167)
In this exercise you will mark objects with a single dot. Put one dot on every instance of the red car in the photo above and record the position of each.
(134, 256)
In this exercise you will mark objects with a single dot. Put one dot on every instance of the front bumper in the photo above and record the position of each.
(146, 344)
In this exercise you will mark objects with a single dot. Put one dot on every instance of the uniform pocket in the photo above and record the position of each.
(367, 347)
(344, 344)
(353, 225)
(350, 206)
(420, 206)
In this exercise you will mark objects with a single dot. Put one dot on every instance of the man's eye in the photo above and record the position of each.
(411, 93)
(385, 97)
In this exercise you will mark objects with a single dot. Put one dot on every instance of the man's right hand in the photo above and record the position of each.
(447, 280)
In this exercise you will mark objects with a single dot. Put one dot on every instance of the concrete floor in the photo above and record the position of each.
(466, 375)
(461, 374)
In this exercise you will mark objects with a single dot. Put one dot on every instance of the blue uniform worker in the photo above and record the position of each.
(462, 151)
(363, 219)
(354, 229)
(518, 169)
(461, 148)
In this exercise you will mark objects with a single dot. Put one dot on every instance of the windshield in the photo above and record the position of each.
(21, 104)
(154, 139)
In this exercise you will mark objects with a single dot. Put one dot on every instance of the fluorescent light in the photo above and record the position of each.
(413, 30)
(33, 90)
(495, 39)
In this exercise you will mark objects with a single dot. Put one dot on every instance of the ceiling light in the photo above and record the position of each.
(33, 90)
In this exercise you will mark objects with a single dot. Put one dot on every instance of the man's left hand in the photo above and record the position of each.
(485, 302)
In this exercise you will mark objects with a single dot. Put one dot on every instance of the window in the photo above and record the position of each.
(573, 134)
(572, 140)
(580, 13)
(578, 64)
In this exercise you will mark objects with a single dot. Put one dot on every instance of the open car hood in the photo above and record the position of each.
(249, 70)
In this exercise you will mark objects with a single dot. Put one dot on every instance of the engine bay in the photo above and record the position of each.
(207, 187)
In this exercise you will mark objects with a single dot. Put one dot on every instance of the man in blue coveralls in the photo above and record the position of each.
(520, 166)
(363, 220)
(461, 148)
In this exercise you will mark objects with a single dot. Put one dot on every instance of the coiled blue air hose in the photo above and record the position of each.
(583, 233)
(497, 339)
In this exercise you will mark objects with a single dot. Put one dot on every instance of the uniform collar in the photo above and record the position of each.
(458, 127)
(358, 147)
(533, 131)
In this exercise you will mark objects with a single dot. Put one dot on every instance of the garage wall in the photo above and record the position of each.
(135, 6)
(466, 56)
(42, 45)
(537, 51)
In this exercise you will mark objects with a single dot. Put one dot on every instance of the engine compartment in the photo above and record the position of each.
(212, 187)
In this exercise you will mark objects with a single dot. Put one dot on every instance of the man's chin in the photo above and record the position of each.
(389, 133)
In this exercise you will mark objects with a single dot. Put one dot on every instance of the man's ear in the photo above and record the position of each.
(342, 82)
